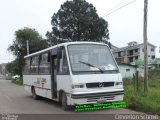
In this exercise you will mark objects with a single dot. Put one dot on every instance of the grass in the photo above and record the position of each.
(8, 78)
(18, 81)
(145, 102)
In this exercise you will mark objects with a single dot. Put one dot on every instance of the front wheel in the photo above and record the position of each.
(34, 95)
(64, 102)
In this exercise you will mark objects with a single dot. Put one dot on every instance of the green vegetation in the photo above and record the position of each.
(145, 102)
(18, 81)
(19, 48)
(8, 78)
(12, 67)
(77, 20)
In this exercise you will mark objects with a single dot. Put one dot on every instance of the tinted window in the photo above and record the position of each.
(127, 70)
(153, 56)
(44, 63)
(34, 64)
(152, 49)
(62, 60)
(27, 66)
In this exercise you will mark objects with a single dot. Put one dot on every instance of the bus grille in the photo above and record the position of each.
(103, 94)
(95, 99)
(99, 84)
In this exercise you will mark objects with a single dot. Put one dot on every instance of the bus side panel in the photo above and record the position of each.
(64, 84)
(41, 83)
(44, 92)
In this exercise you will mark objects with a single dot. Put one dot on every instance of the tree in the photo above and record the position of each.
(19, 46)
(12, 67)
(77, 20)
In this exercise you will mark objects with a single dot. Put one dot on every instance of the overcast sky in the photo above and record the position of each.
(125, 25)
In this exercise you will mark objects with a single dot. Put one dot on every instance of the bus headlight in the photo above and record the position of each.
(77, 86)
(119, 83)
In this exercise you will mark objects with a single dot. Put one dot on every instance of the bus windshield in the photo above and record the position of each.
(91, 58)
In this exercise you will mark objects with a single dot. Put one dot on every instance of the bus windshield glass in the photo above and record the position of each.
(91, 58)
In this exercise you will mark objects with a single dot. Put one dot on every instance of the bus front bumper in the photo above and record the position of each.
(100, 97)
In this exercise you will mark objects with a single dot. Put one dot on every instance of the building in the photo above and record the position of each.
(113, 48)
(127, 70)
(3, 70)
(157, 62)
(134, 52)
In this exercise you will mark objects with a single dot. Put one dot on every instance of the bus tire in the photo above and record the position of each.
(34, 95)
(64, 101)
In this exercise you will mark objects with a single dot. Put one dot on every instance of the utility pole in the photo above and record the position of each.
(27, 47)
(145, 46)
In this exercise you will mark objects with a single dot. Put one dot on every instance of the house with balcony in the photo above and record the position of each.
(134, 52)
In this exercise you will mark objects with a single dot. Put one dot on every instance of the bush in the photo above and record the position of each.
(18, 81)
(145, 102)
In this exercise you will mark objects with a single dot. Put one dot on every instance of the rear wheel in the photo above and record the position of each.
(64, 102)
(34, 95)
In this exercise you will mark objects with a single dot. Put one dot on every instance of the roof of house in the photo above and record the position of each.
(131, 47)
(113, 46)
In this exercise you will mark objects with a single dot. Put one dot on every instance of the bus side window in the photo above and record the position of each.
(44, 63)
(27, 66)
(62, 62)
(34, 64)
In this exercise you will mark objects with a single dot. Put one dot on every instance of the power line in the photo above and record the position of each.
(119, 8)
(115, 6)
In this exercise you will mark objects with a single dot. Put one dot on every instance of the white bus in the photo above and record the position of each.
(74, 73)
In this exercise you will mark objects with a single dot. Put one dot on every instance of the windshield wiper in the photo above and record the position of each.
(92, 66)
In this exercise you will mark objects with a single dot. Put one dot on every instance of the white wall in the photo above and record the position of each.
(127, 71)
(150, 53)
(2, 69)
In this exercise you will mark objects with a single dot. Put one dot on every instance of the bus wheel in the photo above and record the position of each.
(64, 102)
(34, 95)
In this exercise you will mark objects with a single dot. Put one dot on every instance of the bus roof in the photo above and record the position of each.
(62, 44)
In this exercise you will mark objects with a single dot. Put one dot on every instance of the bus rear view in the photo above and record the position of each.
(94, 74)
